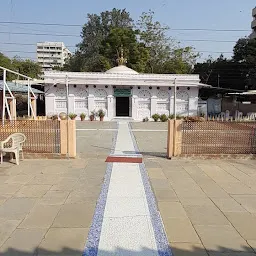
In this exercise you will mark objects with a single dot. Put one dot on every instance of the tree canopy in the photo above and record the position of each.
(146, 45)
(26, 67)
(237, 72)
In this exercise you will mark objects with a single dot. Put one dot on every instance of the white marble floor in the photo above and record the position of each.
(127, 228)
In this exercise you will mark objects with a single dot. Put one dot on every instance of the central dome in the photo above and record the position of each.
(121, 70)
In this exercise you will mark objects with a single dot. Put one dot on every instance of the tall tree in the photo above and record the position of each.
(166, 56)
(25, 67)
(94, 32)
(238, 72)
(136, 53)
(146, 45)
(153, 34)
(245, 54)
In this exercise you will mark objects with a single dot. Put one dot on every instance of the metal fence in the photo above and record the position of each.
(218, 138)
(42, 136)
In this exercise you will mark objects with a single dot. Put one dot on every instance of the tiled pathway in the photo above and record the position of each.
(126, 220)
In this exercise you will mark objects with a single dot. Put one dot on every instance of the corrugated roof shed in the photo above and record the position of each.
(15, 87)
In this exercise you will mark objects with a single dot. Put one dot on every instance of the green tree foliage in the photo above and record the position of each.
(166, 56)
(153, 34)
(94, 32)
(25, 67)
(135, 52)
(237, 72)
(146, 44)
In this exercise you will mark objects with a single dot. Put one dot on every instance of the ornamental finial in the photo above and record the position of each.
(121, 60)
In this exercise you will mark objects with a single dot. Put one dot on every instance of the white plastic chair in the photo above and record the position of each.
(14, 146)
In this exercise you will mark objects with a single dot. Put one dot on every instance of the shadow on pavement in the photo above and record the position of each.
(189, 251)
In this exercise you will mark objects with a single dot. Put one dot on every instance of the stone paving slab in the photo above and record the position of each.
(48, 205)
(218, 198)
(63, 241)
(41, 216)
(74, 216)
(23, 242)
(180, 230)
(222, 239)
(188, 249)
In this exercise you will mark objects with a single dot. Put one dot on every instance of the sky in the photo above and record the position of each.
(177, 14)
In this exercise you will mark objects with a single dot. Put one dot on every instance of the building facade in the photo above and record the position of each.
(121, 92)
(52, 54)
(253, 25)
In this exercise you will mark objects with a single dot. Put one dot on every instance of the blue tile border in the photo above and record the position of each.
(159, 232)
(92, 243)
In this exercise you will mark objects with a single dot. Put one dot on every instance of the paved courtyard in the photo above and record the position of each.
(46, 206)
(207, 207)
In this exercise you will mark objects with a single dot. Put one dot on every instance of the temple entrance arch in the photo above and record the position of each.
(122, 102)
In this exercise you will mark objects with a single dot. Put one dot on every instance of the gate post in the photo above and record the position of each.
(68, 140)
(170, 137)
(174, 138)
(177, 137)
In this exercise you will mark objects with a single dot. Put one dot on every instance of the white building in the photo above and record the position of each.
(51, 54)
(121, 92)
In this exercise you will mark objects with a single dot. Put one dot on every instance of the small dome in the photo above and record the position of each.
(121, 70)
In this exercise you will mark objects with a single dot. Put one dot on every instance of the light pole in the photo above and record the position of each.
(175, 98)
(67, 93)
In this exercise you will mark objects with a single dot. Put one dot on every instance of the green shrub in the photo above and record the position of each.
(163, 118)
(156, 117)
(82, 115)
(171, 116)
(101, 113)
(72, 116)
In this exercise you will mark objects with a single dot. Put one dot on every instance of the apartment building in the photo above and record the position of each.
(253, 34)
(52, 54)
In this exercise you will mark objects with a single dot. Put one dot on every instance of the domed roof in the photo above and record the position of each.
(121, 70)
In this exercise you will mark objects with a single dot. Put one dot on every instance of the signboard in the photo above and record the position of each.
(122, 92)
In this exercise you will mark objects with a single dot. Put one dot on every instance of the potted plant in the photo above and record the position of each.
(101, 114)
(92, 116)
(156, 117)
(72, 116)
(164, 118)
(82, 116)
(171, 116)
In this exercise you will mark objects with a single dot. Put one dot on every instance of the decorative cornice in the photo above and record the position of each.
(122, 79)
(118, 75)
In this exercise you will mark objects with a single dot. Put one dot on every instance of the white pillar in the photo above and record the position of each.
(50, 107)
(134, 107)
(110, 107)
(71, 103)
(91, 104)
(153, 108)
(171, 95)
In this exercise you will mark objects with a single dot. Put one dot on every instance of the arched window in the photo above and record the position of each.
(60, 98)
(163, 102)
(144, 104)
(182, 106)
(100, 99)
(81, 100)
